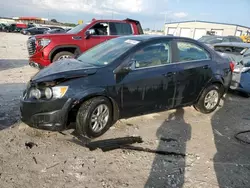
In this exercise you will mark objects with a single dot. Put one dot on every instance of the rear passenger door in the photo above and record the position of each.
(194, 71)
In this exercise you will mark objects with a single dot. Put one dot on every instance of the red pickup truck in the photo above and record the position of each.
(47, 48)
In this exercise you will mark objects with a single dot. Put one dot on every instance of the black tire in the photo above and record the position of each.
(245, 94)
(60, 54)
(200, 105)
(83, 117)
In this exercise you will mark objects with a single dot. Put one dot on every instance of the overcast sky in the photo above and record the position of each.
(151, 13)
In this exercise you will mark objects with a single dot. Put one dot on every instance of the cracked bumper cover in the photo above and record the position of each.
(47, 115)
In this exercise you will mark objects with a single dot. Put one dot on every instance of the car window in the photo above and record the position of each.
(226, 39)
(191, 52)
(120, 29)
(77, 29)
(101, 28)
(42, 29)
(153, 55)
(235, 39)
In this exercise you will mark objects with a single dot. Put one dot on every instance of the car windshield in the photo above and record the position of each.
(213, 40)
(105, 53)
(77, 29)
(210, 39)
(205, 38)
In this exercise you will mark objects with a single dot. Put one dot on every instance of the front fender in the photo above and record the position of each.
(96, 92)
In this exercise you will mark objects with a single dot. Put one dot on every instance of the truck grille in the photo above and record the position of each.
(31, 45)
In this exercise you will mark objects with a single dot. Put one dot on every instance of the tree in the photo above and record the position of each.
(54, 20)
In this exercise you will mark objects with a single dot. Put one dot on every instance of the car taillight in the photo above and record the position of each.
(231, 66)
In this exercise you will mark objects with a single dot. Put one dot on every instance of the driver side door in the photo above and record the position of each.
(101, 34)
(150, 85)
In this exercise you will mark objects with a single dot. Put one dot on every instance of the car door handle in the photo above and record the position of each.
(205, 67)
(169, 74)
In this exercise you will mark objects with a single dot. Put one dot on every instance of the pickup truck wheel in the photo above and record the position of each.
(209, 99)
(62, 55)
(94, 117)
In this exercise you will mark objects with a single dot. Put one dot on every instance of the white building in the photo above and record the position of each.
(5, 20)
(197, 29)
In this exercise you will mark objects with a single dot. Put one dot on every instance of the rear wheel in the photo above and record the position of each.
(62, 55)
(245, 94)
(94, 117)
(209, 99)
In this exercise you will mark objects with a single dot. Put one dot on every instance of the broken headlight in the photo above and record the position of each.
(48, 93)
(35, 93)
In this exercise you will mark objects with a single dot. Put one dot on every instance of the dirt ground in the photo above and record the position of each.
(213, 156)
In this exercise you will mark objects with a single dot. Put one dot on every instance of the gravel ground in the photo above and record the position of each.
(213, 156)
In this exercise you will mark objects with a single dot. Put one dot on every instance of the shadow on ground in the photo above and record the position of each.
(232, 161)
(6, 64)
(169, 171)
(9, 103)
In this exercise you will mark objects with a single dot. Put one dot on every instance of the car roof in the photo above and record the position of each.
(235, 44)
(218, 36)
(152, 37)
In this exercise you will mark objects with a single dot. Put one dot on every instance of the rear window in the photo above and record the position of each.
(120, 29)
(236, 39)
(191, 52)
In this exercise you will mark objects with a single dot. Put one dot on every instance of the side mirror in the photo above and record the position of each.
(127, 68)
(88, 33)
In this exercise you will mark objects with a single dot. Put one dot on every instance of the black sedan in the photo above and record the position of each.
(52, 31)
(34, 30)
(125, 77)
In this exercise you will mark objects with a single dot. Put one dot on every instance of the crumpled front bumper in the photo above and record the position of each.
(47, 115)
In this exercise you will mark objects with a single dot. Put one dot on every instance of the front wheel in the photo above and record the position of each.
(209, 99)
(94, 117)
(62, 55)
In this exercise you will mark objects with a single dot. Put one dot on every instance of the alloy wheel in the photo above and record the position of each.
(99, 118)
(211, 99)
(64, 57)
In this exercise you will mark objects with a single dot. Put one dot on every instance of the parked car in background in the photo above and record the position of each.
(17, 27)
(3, 27)
(213, 39)
(52, 31)
(68, 29)
(122, 78)
(240, 53)
(45, 49)
(34, 30)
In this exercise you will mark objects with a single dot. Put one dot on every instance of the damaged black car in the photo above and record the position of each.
(122, 78)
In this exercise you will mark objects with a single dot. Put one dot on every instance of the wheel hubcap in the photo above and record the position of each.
(99, 118)
(211, 99)
(64, 57)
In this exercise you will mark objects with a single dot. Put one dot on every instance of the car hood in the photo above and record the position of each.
(64, 70)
